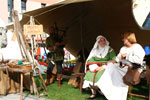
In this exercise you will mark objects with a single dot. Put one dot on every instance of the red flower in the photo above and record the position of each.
(45, 64)
(37, 58)
(42, 57)
(39, 62)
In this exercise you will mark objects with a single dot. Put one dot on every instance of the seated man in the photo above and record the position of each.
(99, 55)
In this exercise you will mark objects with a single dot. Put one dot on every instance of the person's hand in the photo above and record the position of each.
(123, 56)
(113, 61)
(99, 68)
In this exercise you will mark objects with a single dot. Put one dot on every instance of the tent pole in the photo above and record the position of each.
(32, 41)
(19, 34)
(32, 22)
(82, 42)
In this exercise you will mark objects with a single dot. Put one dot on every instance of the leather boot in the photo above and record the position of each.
(59, 80)
(52, 78)
(48, 79)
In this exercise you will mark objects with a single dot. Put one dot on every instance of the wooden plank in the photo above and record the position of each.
(33, 29)
(16, 69)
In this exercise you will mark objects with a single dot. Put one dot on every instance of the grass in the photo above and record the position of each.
(68, 92)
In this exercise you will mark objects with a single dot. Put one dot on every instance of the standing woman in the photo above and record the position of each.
(101, 53)
(111, 83)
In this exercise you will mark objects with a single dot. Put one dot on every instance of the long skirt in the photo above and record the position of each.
(111, 83)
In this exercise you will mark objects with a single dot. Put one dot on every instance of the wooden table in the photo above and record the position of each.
(33, 87)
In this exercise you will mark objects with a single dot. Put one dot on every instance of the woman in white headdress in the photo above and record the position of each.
(111, 83)
(100, 55)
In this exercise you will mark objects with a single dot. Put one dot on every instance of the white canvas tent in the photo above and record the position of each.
(12, 50)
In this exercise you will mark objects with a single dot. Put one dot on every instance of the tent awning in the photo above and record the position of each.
(86, 19)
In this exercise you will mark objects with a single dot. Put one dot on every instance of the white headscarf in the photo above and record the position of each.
(97, 50)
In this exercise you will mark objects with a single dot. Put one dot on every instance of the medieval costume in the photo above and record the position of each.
(99, 55)
(111, 83)
(56, 54)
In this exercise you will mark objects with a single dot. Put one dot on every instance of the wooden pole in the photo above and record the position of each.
(27, 45)
(18, 39)
(21, 87)
(35, 87)
(32, 22)
(32, 40)
(18, 31)
(43, 81)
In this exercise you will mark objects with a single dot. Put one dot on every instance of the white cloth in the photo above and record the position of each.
(135, 54)
(12, 50)
(93, 67)
(97, 50)
(111, 83)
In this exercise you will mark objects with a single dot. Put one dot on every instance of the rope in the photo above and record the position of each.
(47, 10)
(37, 21)
(52, 9)
(25, 14)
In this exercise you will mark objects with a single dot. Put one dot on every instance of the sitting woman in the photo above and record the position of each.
(111, 82)
(101, 54)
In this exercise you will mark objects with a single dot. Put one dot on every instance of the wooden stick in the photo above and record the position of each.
(130, 91)
(35, 87)
(27, 45)
(18, 39)
(43, 81)
(7, 80)
(31, 83)
(19, 32)
(148, 74)
(33, 23)
(137, 95)
(21, 87)
(81, 82)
